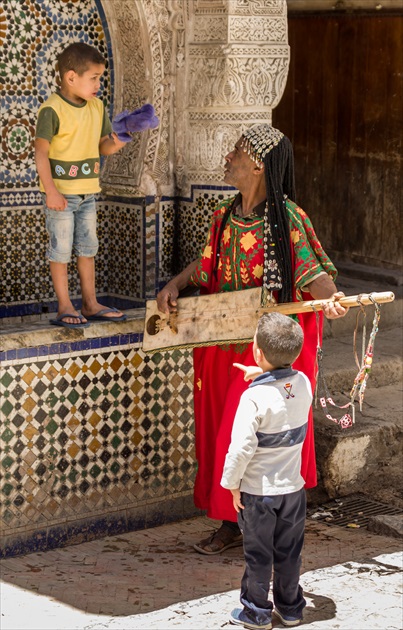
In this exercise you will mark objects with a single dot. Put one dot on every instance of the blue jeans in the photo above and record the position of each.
(273, 535)
(73, 229)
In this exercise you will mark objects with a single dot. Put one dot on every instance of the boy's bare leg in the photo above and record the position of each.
(91, 306)
(61, 285)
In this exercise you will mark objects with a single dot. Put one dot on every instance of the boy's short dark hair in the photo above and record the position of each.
(280, 338)
(78, 57)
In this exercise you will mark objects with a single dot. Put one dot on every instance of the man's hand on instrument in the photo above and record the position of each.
(250, 371)
(167, 299)
(332, 309)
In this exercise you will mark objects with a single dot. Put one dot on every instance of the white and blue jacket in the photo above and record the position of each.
(270, 425)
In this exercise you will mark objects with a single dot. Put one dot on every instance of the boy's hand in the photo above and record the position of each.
(236, 499)
(250, 371)
(56, 201)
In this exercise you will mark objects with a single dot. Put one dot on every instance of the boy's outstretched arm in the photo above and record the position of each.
(250, 371)
(54, 199)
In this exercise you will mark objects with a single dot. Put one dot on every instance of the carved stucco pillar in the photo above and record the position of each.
(141, 41)
(237, 59)
(211, 68)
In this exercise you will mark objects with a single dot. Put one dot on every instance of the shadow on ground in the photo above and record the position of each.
(149, 570)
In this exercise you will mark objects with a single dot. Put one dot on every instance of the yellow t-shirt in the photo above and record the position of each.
(74, 132)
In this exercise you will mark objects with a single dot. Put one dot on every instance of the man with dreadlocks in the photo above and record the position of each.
(259, 237)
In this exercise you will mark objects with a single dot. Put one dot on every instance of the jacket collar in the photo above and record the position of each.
(274, 375)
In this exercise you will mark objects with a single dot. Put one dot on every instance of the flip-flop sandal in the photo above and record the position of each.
(59, 321)
(102, 316)
(218, 542)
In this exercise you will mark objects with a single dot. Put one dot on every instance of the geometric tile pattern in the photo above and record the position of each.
(88, 434)
(194, 221)
(184, 225)
(33, 33)
(150, 239)
(93, 344)
(168, 246)
(25, 269)
(120, 234)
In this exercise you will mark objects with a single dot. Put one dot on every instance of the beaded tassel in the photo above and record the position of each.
(347, 419)
(257, 142)
(360, 381)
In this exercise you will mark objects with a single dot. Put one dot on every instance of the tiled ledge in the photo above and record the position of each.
(39, 338)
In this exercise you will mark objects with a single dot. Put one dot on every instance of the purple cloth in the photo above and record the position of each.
(138, 120)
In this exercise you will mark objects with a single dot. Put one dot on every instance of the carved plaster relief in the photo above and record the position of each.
(244, 78)
(210, 67)
(237, 63)
(211, 29)
(257, 29)
(209, 6)
(141, 46)
(256, 7)
(122, 171)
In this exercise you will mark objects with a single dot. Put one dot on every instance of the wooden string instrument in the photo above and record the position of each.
(229, 317)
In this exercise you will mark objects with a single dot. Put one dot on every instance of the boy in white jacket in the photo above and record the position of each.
(262, 470)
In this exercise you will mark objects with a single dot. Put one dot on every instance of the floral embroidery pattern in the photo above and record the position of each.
(241, 253)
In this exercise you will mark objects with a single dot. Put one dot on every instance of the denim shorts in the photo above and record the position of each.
(73, 229)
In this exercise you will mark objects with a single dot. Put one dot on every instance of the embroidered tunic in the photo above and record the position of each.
(218, 385)
(241, 252)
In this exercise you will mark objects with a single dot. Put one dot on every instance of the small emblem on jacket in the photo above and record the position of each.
(288, 388)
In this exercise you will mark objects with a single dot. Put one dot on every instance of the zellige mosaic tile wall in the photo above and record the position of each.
(95, 436)
(91, 434)
(32, 33)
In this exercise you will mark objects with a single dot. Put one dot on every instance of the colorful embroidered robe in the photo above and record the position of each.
(217, 384)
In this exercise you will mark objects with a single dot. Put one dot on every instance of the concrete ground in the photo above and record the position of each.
(153, 579)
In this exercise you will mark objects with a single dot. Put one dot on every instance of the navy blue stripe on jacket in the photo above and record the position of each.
(291, 437)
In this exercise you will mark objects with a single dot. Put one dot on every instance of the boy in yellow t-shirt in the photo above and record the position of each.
(73, 130)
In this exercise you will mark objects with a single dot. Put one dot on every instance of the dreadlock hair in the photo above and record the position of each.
(280, 182)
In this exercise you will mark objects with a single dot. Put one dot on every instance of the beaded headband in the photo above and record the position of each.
(260, 140)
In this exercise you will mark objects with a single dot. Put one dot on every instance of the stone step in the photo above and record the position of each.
(367, 457)
(361, 272)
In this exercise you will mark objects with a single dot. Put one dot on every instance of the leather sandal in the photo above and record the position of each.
(220, 540)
